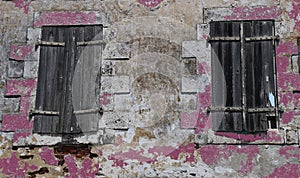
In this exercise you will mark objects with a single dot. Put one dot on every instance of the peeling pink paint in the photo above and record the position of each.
(203, 68)
(287, 170)
(21, 134)
(24, 104)
(24, 87)
(22, 4)
(294, 14)
(119, 158)
(188, 149)
(65, 18)
(290, 152)
(288, 81)
(254, 13)
(274, 136)
(286, 99)
(189, 120)
(105, 99)
(88, 168)
(150, 3)
(282, 63)
(161, 150)
(16, 122)
(212, 154)
(286, 47)
(19, 53)
(241, 137)
(288, 116)
(296, 100)
(48, 156)
(11, 167)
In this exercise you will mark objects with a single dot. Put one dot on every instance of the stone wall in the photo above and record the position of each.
(155, 92)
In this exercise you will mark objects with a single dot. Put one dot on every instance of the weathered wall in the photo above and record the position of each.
(155, 91)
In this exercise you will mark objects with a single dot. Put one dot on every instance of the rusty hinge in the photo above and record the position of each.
(85, 43)
(49, 43)
(262, 38)
(239, 109)
(100, 110)
(39, 112)
(229, 38)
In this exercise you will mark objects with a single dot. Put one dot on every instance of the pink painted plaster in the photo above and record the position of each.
(287, 170)
(11, 166)
(189, 120)
(203, 68)
(294, 14)
(19, 53)
(290, 152)
(254, 13)
(149, 3)
(48, 156)
(65, 18)
(21, 135)
(287, 117)
(286, 47)
(88, 169)
(212, 154)
(288, 81)
(22, 4)
(286, 99)
(283, 64)
(241, 137)
(24, 87)
(16, 122)
(105, 99)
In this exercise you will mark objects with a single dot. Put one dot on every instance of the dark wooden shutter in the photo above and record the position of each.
(56, 75)
(226, 76)
(260, 82)
(242, 52)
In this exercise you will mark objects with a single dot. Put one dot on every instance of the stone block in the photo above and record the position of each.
(31, 69)
(196, 49)
(114, 120)
(117, 51)
(108, 67)
(188, 102)
(115, 84)
(194, 84)
(122, 103)
(11, 105)
(15, 69)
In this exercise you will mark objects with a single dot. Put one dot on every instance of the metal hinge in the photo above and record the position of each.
(39, 112)
(49, 43)
(100, 110)
(85, 43)
(223, 38)
(262, 38)
(239, 109)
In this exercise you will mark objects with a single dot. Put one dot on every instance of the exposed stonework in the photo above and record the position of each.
(154, 92)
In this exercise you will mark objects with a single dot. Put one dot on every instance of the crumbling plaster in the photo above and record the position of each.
(152, 46)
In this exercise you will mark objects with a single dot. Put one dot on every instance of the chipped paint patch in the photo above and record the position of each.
(48, 156)
(11, 166)
(19, 52)
(149, 3)
(65, 18)
(22, 4)
(16, 122)
(254, 13)
(212, 154)
(20, 87)
(87, 168)
(241, 137)
(287, 170)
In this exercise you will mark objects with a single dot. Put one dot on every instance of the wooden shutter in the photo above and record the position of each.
(226, 76)
(56, 76)
(243, 75)
(260, 84)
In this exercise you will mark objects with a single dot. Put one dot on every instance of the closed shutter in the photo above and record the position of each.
(56, 109)
(260, 85)
(243, 75)
(226, 76)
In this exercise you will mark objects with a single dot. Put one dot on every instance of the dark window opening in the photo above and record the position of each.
(65, 52)
(244, 90)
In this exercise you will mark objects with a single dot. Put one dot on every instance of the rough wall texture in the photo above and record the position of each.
(155, 91)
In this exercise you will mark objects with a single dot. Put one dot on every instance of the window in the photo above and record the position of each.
(67, 88)
(244, 91)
